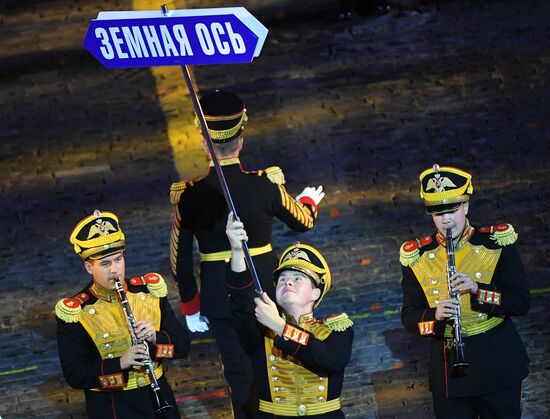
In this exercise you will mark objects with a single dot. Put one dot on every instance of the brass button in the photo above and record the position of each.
(277, 399)
(272, 357)
(435, 292)
(301, 410)
(274, 378)
(434, 281)
(273, 368)
(105, 335)
(321, 399)
(321, 388)
(107, 346)
(141, 381)
(322, 378)
(92, 311)
(276, 389)
(110, 356)
(431, 255)
(478, 275)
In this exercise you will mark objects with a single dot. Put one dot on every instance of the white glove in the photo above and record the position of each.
(315, 194)
(196, 322)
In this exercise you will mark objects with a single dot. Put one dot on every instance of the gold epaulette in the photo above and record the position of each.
(338, 322)
(275, 175)
(69, 310)
(410, 251)
(155, 284)
(177, 189)
(502, 234)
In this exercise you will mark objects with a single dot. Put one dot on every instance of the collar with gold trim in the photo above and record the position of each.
(101, 293)
(304, 319)
(226, 162)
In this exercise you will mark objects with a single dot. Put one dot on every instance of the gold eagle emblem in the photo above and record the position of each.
(438, 183)
(101, 228)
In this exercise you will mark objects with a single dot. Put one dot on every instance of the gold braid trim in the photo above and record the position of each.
(66, 313)
(406, 257)
(338, 322)
(275, 175)
(176, 190)
(221, 135)
(506, 237)
(159, 289)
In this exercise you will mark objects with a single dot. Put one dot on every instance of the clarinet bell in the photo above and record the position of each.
(161, 405)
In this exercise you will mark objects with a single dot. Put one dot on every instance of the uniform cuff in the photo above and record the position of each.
(112, 381)
(308, 201)
(486, 298)
(429, 325)
(165, 351)
(489, 297)
(191, 307)
(293, 339)
(112, 377)
(238, 280)
(295, 334)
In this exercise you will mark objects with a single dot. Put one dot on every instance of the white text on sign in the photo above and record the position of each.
(168, 41)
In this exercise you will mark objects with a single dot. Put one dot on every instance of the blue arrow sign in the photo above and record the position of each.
(182, 37)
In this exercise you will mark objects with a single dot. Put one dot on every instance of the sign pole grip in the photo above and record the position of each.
(219, 172)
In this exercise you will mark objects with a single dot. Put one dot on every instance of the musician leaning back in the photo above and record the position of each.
(298, 360)
(94, 336)
(492, 287)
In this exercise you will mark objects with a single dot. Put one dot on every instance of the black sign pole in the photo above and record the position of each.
(217, 166)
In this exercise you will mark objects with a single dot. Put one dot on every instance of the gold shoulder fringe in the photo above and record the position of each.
(275, 175)
(338, 322)
(66, 313)
(176, 190)
(506, 237)
(407, 258)
(159, 289)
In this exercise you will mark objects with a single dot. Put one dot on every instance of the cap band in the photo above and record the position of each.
(221, 136)
(89, 253)
(455, 200)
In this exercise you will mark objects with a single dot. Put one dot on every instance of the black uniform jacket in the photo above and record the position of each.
(202, 213)
(84, 368)
(326, 358)
(497, 357)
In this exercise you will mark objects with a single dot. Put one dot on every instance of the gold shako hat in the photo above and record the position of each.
(225, 115)
(306, 259)
(97, 236)
(444, 189)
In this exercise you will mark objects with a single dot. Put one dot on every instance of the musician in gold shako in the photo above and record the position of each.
(491, 286)
(94, 336)
(298, 360)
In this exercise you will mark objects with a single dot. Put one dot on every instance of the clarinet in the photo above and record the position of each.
(460, 365)
(160, 403)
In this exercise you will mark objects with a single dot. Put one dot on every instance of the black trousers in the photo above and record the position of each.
(137, 403)
(237, 368)
(502, 404)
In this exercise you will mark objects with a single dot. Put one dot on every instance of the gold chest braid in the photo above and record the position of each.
(106, 324)
(290, 383)
(476, 261)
